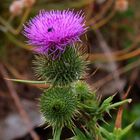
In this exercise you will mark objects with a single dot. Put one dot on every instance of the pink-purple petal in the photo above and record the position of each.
(56, 29)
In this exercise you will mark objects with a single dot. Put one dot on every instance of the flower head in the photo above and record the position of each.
(50, 32)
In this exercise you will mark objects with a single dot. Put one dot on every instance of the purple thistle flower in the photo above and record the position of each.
(50, 32)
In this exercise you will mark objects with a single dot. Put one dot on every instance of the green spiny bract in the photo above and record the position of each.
(63, 71)
(82, 90)
(87, 99)
(59, 106)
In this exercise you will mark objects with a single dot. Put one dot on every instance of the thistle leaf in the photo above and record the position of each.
(106, 103)
(107, 134)
(119, 103)
(27, 81)
(80, 135)
(126, 129)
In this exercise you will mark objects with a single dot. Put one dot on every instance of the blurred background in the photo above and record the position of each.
(113, 40)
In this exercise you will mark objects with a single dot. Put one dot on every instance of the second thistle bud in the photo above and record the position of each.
(58, 106)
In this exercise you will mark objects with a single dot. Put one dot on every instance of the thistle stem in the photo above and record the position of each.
(57, 134)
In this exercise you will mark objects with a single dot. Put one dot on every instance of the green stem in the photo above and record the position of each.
(57, 134)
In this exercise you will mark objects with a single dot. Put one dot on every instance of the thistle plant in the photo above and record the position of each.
(59, 62)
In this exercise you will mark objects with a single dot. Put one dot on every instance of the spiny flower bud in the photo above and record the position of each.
(29, 3)
(58, 106)
(63, 71)
(16, 7)
(121, 5)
